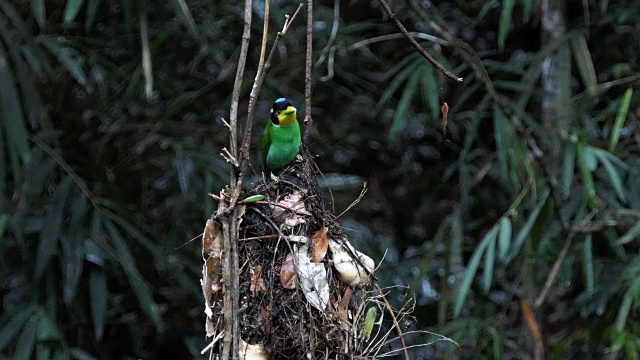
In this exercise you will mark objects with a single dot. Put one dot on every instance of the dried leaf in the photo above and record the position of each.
(212, 239)
(445, 118)
(321, 242)
(265, 318)
(343, 309)
(257, 283)
(313, 280)
(288, 273)
(291, 210)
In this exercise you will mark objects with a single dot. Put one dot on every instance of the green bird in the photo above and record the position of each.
(281, 138)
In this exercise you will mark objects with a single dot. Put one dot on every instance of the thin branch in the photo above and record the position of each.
(265, 32)
(308, 120)
(420, 49)
(395, 321)
(235, 95)
(253, 97)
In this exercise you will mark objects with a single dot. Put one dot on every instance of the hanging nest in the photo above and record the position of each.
(298, 274)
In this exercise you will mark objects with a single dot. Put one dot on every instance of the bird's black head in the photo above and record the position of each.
(282, 108)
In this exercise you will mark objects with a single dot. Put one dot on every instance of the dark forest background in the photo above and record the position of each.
(110, 135)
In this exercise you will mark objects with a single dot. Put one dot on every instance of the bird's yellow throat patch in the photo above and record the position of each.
(287, 116)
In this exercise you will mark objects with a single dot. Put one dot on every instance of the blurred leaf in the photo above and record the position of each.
(400, 120)
(585, 64)
(73, 249)
(489, 259)
(92, 9)
(17, 320)
(98, 296)
(12, 117)
(505, 22)
(183, 10)
(504, 239)
(26, 340)
(430, 89)
(587, 261)
(80, 354)
(184, 170)
(69, 58)
(527, 7)
(622, 115)
(526, 228)
(139, 287)
(586, 161)
(472, 268)
(603, 156)
(71, 10)
(630, 235)
(39, 12)
(568, 169)
(52, 226)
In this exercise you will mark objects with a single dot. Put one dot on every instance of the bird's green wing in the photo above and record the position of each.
(266, 141)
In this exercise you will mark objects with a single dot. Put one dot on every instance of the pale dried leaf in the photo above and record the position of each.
(212, 239)
(288, 273)
(313, 280)
(291, 210)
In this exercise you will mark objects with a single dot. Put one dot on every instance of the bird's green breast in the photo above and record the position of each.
(282, 145)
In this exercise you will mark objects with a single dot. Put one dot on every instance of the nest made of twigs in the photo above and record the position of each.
(277, 311)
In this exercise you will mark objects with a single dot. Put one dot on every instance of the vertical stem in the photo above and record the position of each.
(308, 120)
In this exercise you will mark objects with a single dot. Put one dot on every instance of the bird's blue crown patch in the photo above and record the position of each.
(280, 100)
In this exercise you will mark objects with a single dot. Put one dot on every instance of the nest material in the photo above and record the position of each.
(282, 319)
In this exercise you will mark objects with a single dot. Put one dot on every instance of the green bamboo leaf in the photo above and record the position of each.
(73, 252)
(183, 10)
(430, 90)
(472, 268)
(400, 120)
(630, 235)
(505, 22)
(526, 229)
(252, 199)
(585, 64)
(584, 163)
(15, 323)
(71, 10)
(98, 295)
(568, 169)
(138, 285)
(369, 322)
(587, 261)
(394, 86)
(52, 226)
(26, 340)
(504, 239)
(11, 116)
(620, 118)
(614, 176)
(39, 12)
(184, 169)
(489, 259)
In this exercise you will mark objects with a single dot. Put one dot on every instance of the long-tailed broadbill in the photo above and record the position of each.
(281, 138)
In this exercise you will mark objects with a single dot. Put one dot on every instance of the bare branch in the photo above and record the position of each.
(420, 49)
(308, 120)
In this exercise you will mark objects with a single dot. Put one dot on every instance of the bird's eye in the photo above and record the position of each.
(279, 111)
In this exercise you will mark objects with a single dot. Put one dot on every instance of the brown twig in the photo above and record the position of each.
(530, 318)
(420, 49)
(308, 120)
(395, 321)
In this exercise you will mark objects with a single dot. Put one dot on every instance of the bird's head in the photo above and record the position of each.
(283, 113)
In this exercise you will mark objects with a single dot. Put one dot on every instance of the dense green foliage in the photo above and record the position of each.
(110, 132)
